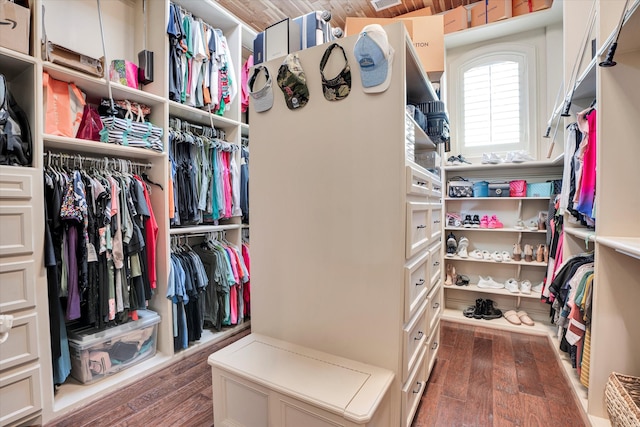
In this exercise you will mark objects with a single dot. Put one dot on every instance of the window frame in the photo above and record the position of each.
(525, 56)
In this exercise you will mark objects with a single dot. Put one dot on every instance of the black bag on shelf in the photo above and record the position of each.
(16, 144)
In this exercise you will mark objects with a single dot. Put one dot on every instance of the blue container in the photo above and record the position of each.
(481, 189)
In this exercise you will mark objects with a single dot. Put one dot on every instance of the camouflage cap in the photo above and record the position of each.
(338, 87)
(293, 82)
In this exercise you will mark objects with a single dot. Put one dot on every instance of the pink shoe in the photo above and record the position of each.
(494, 222)
(484, 222)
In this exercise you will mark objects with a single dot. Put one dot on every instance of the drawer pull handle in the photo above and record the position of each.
(421, 226)
(421, 183)
(436, 188)
(434, 346)
(420, 282)
(419, 388)
(419, 337)
(437, 221)
(437, 263)
(436, 305)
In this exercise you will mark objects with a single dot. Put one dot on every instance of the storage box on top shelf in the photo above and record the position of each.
(456, 19)
(15, 26)
(426, 33)
(498, 10)
(536, 5)
(96, 355)
(478, 14)
(520, 7)
(425, 11)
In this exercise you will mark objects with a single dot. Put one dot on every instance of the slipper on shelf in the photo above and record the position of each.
(463, 244)
(512, 317)
(476, 254)
(524, 318)
(468, 312)
(462, 280)
(506, 256)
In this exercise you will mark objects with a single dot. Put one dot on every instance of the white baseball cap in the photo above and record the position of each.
(262, 98)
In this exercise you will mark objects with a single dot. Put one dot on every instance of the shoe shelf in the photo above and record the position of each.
(75, 145)
(503, 229)
(512, 262)
(480, 166)
(540, 328)
(422, 140)
(493, 198)
(629, 246)
(473, 287)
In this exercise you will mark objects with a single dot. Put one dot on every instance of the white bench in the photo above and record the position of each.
(259, 381)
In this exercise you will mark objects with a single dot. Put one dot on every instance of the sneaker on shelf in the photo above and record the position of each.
(475, 222)
(453, 161)
(490, 159)
(525, 287)
(486, 255)
(519, 225)
(489, 283)
(467, 221)
(479, 309)
(452, 245)
(484, 222)
(519, 156)
(463, 244)
(537, 288)
(475, 254)
(512, 286)
(496, 256)
(506, 256)
(494, 222)
(462, 159)
(454, 220)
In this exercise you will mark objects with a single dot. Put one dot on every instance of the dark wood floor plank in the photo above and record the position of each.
(506, 395)
(450, 412)
(529, 380)
(425, 415)
(457, 380)
(536, 412)
(439, 371)
(480, 390)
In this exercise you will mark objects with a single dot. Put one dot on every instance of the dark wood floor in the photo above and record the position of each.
(482, 377)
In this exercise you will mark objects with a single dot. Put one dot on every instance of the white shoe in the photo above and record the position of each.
(512, 286)
(537, 288)
(489, 283)
(462, 247)
(506, 256)
(519, 225)
(491, 159)
(520, 156)
(525, 287)
(475, 254)
(496, 256)
(486, 255)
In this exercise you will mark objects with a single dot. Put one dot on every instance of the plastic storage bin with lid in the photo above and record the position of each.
(97, 355)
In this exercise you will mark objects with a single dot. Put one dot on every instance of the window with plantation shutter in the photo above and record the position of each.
(494, 111)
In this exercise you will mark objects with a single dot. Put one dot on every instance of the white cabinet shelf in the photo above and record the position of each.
(491, 230)
(502, 199)
(473, 287)
(501, 323)
(629, 246)
(75, 145)
(203, 229)
(501, 263)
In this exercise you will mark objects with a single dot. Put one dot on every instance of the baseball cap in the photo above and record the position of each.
(263, 97)
(338, 87)
(375, 57)
(293, 82)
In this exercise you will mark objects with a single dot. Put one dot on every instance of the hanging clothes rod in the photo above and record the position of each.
(109, 160)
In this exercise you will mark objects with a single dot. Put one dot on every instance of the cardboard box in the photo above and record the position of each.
(425, 11)
(535, 5)
(15, 31)
(498, 10)
(456, 19)
(478, 14)
(519, 7)
(426, 33)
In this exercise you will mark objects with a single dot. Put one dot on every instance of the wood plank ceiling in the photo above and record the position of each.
(259, 14)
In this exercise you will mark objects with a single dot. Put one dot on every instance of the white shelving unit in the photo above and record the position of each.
(26, 386)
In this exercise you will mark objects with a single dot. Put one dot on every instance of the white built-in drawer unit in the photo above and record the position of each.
(21, 345)
(416, 284)
(418, 234)
(415, 335)
(435, 263)
(435, 305)
(433, 345)
(19, 394)
(418, 182)
(413, 389)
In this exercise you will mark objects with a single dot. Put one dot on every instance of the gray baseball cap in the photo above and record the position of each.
(262, 98)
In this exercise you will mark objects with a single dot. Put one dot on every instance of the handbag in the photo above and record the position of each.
(124, 72)
(63, 105)
(90, 125)
(518, 188)
(459, 187)
(481, 189)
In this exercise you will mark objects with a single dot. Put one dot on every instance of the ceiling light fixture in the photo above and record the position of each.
(379, 5)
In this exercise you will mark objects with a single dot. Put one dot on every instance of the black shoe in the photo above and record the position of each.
(478, 313)
(468, 223)
(463, 160)
(475, 223)
(490, 312)
(452, 244)
(468, 312)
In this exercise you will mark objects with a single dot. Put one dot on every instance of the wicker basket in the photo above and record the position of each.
(622, 395)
